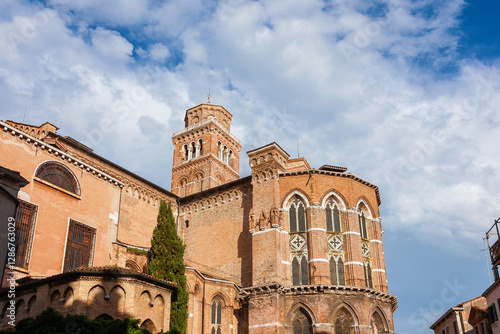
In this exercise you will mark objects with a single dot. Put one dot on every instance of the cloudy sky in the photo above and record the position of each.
(401, 92)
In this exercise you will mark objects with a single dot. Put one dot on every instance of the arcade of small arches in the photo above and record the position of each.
(98, 299)
(225, 154)
(335, 209)
(193, 150)
(301, 320)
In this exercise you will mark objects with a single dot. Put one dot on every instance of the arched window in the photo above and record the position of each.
(301, 324)
(193, 151)
(297, 214)
(298, 243)
(230, 158)
(58, 175)
(186, 152)
(225, 154)
(343, 322)
(368, 274)
(333, 217)
(337, 270)
(219, 150)
(200, 147)
(216, 316)
(362, 225)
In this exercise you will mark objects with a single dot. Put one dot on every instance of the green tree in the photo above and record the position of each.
(166, 261)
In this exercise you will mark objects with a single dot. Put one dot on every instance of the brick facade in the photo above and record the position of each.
(287, 249)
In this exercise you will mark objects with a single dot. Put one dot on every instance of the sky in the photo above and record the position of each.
(401, 92)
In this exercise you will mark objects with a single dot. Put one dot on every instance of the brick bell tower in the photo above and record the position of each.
(206, 154)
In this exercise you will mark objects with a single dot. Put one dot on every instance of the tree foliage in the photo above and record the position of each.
(50, 322)
(167, 262)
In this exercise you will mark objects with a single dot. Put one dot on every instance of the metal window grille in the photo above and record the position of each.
(25, 226)
(59, 175)
(80, 245)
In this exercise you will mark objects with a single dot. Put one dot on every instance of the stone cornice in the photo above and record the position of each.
(56, 153)
(315, 289)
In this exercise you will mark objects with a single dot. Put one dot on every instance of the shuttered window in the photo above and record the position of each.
(79, 247)
(25, 227)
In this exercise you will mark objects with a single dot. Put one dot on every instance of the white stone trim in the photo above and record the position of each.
(379, 270)
(265, 325)
(316, 229)
(62, 155)
(319, 260)
(286, 262)
(352, 232)
(354, 262)
(298, 193)
(264, 231)
(337, 198)
(375, 240)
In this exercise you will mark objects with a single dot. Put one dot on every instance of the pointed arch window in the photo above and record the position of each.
(216, 316)
(200, 148)
(333, 223)
(362, 225)
(59, 175)
(302, 324)
(368, 274)
(337, 270)
(298, 243)
(186, 152)
(343, 322)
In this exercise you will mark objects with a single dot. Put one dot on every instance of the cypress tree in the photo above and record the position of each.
(166, 261)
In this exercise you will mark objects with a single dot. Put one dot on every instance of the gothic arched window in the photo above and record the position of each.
(368, 274)
(298, 243)
(216, 316)
(343, 322)
(337, 270)
(219, 150)
(302, 324)
(58, 175)
(333, 217)
(362, 225)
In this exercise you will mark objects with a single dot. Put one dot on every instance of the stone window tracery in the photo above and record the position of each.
(59, 175)
(216, 315)
(298, 243)
(343, 322)
(335, 243)
(302, 324)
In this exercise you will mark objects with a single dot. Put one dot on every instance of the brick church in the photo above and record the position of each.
(288, 249)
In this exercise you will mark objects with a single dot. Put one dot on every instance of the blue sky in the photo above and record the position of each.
(403, 93)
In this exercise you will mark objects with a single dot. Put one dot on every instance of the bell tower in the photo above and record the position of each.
(206, 154)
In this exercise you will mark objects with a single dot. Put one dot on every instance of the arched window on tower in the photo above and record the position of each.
(192, 150)
(225, 154)
(219, 150)
(200, 147)
(302, 324)
(230, 158)
(343, 322)
(186, 152)
(298, 242)
(216, 315)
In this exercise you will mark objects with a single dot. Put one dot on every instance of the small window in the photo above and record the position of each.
(333, 217)
(58, 175)
(187, 223)
(337, 271)
(297, 215)
(80, 246)
(302, 324)
(25, 227)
